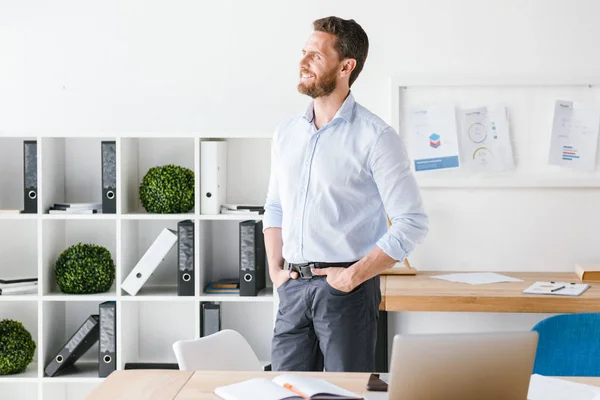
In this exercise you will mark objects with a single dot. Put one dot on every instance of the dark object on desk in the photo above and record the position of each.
(375, 384)
(81, 341)
(149, 365)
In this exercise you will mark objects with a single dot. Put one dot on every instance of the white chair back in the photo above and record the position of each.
(226, 350)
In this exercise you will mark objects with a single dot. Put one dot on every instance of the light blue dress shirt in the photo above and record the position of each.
(330, 189)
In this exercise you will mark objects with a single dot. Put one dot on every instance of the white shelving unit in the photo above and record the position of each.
(69, 170)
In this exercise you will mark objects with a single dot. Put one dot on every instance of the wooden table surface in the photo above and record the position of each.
(200, 385)
(422, 293)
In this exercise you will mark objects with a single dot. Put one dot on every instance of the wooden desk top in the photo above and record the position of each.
(199, 385)
(422, 293)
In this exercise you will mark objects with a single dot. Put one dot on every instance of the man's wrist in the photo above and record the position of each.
(355, 274)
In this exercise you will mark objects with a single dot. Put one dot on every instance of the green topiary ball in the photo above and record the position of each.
(168, 190)
(85, 269)
(16, 347)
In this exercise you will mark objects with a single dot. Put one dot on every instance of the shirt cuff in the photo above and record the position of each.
(392, 247)
(271, 220)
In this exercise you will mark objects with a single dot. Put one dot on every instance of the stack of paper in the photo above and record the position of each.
(477, 278)
(18, 286)
(242, 209)
(75, 208)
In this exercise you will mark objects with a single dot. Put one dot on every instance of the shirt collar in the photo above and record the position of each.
(345, 111)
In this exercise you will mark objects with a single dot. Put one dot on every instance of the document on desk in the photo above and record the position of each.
(575, 135)
(285, 387)
(545, 388)
(557, 288)
(477, 278)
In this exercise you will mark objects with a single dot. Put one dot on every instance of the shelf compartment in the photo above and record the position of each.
(150, 328)
(11, 174)
(19, 390)
(219, 259)
(61, 320)
(58, 235)
(138, 155)
(71, 170)
(247, 173)
(137, 236)
(25, 312)
(254, 321)
(63, 389)
(18, 249)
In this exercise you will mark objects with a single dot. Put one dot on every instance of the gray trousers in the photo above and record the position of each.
(319, 327)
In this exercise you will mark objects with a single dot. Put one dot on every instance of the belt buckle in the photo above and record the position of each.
(305, 272)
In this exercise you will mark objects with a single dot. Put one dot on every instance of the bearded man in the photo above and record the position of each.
(338, 172)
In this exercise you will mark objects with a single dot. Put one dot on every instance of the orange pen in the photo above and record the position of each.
(299, 393)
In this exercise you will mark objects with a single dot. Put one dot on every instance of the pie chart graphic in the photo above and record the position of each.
(482, 156)
(477, 132)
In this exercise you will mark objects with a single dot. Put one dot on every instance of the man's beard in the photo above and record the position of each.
(322, 86)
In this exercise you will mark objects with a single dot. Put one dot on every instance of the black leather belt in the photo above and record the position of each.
(304, 269)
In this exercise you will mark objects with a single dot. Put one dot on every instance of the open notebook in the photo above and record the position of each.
(286, 386)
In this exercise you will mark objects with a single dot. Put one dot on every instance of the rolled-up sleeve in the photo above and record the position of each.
(273, 216)
(390, 167)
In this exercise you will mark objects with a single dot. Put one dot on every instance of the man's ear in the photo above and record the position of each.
(348, 66)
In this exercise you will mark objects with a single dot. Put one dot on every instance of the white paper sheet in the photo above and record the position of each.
(485, 144)
(545, 388)
(575, 135)
(477, 278)
(433, 137)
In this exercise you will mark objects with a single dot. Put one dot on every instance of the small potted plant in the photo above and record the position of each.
(167, 189)
(84, 269)
(16, 347)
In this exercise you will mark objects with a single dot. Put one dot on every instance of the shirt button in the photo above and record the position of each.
(306, 163)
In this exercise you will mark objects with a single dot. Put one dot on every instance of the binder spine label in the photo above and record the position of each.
(31, 164)
(107, 329)
(186, 247)
(109, 162)
(80, 335)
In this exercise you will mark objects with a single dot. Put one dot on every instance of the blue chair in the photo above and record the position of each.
(569, 345)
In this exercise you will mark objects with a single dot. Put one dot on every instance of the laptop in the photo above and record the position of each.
(491, 366)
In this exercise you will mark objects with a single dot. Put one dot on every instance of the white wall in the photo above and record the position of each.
(230, 67)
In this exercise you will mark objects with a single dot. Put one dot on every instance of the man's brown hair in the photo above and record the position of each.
(351, 40)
